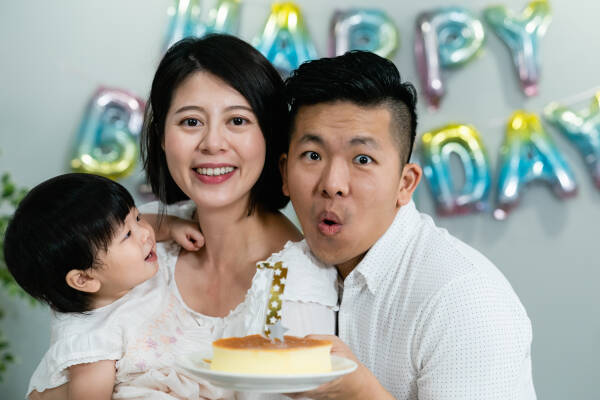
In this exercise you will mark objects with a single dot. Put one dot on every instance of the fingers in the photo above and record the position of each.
(196, 238)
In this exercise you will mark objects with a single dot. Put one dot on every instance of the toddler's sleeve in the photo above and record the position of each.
(66, 351)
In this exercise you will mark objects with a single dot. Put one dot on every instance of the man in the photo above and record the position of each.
(423, 314)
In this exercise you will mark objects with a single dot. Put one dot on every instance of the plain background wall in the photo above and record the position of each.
(55, 54)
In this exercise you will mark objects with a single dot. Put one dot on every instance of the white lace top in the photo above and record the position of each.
(149, 327)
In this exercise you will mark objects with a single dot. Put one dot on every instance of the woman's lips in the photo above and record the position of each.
(213, 179)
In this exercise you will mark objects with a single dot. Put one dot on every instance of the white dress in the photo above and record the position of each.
(149, 327)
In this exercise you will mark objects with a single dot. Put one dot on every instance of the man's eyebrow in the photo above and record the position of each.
(310, 138)
(364, 140)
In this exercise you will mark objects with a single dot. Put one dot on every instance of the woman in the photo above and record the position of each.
(214, 129)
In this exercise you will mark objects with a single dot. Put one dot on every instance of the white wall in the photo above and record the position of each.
(55, 54)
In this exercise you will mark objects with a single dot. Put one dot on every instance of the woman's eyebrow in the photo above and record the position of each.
(188, 108)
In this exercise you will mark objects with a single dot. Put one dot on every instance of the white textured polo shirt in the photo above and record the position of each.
(432, 318)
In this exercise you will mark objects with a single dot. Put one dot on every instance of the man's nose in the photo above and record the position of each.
(335, 179)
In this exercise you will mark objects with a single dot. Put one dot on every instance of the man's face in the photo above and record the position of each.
(344, 177)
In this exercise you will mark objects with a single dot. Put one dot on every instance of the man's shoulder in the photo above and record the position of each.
(437, 261)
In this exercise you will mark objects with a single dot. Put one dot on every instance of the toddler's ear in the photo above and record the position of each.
(81, 280)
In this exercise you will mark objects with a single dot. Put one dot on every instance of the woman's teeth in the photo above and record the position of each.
(214, 171)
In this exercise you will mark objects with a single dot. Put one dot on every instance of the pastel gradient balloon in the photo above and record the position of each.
(107, 141)
(363, 29)
(522, 35)
(186, 19)
(528, 155)
(284, 40)
(582, 129)
(445, 38)
(464, 141)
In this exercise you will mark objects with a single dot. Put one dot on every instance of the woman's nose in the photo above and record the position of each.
(214, 140)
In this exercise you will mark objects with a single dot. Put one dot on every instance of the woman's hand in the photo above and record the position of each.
(360, 384)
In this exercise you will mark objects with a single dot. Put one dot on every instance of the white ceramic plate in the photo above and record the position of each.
(195, 365)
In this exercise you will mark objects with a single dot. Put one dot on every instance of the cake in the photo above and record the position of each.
(256, 354)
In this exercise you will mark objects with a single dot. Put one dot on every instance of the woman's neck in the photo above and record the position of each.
(232, 237)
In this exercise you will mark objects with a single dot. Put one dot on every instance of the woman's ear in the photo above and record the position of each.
(83, 281)
(411, 176)
(283, 171)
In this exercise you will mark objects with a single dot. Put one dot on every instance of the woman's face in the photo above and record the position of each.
(214, 147)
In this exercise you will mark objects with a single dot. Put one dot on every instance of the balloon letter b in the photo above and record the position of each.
(107, 139)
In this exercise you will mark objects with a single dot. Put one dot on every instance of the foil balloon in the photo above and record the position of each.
(522, 34)
(444, 38)
(463, 141)
(527, 155)
(582, 129)
(186, 19)
(107, 141)
(362, 29)
(284, 40)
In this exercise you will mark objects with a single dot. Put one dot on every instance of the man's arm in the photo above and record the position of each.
(360, 384)
(474, 343)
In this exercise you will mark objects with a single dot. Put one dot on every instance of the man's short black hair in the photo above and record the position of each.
(362, 78)
(61, 225)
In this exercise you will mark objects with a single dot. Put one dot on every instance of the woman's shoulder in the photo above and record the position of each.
(307, 278)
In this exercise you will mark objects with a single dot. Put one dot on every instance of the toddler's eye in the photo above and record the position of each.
(127, 234)
(138, 218)
(312, 155)
(363, 159)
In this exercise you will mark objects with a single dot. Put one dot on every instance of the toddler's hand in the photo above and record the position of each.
(186, 233)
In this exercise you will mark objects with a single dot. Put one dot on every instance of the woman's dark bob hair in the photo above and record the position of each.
(246, 70)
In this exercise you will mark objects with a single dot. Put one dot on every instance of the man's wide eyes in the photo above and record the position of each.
(363, 159)
(311, 155)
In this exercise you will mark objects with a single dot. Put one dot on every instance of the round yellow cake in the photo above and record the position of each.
(256, 354)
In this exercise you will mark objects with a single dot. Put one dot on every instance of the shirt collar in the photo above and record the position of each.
(384, 256)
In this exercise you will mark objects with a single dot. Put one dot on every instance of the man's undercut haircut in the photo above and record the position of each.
(362, 78)
(62, 224)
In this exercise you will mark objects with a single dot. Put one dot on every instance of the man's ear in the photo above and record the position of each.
(283, 171)
(411, 176)
(83, 281)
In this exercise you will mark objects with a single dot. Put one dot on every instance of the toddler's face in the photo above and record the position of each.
(130, 258)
